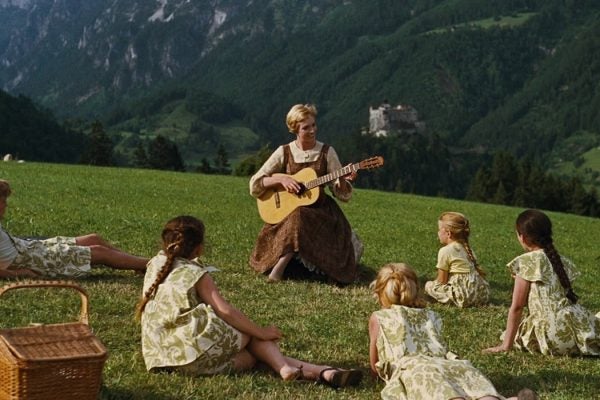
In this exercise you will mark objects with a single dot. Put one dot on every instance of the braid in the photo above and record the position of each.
(469, 251)
(536, 229)
(171, 250)
(180, 237)
(460, 229)
(559, 270)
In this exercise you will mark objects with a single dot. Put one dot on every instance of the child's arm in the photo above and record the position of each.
(519, 300)
(208, 292)
(373, 332)
(18, 273)
(442, 276)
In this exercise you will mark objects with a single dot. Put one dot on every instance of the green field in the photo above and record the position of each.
(321, 323)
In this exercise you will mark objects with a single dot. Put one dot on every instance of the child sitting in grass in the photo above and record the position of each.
(556, 324)
(57, 256)
(460, 280)
(189, 328)
(407, 351)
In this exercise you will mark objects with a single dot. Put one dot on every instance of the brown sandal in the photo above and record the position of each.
(341, 377)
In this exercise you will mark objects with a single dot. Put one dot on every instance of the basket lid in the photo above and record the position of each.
(53, 342)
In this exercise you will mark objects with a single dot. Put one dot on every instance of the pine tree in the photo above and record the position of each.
(141, 157)
(221, 161)
(164, 154)
(100, 148)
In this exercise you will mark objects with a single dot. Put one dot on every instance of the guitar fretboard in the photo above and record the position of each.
(332, 176)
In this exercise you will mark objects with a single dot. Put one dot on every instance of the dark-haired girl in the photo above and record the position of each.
(189, 328)
(556, 324)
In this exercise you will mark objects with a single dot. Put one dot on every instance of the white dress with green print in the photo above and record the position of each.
(179, 332)
(553, 325)
(415, 362)
(59, 256)
(465, 287)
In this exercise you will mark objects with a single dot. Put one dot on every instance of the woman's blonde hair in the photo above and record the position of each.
(4, 188)
(299, 113)
(180, 237)
(397, 283)
(459, 227)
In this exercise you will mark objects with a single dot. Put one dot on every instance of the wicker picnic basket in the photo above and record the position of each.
(54, 361)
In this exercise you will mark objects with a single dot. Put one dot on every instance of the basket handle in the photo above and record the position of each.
(83, 313)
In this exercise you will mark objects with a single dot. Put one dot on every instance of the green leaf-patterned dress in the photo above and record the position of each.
(59, 256)
(415, 362)
(553, 325)
(179, 332)
(465, 287)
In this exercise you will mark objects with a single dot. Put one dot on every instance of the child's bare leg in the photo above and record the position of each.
(244, 360)
(279, 268)
(268, 352)
(117, 259)
(93, 239)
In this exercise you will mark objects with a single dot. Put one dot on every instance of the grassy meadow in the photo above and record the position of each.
(321, 322)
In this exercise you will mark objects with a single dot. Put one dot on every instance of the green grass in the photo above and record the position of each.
(321, 323)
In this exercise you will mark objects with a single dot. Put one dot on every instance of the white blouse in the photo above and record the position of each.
(275, 165)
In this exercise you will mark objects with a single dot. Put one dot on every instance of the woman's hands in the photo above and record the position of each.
(351, 177)
(290, 184)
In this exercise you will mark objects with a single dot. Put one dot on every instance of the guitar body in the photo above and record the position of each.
(275, 205)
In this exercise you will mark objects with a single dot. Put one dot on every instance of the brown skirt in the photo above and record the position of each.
(319, 234)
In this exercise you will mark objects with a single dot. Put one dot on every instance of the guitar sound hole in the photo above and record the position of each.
(302, 190)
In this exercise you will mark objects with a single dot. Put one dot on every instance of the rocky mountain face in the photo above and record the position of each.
(81, 54)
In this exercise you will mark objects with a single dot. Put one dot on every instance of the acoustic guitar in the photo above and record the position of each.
(276, 204)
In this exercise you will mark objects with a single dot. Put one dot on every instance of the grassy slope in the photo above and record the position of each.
(322, 323)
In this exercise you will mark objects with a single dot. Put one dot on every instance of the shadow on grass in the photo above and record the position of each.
(298, 272)
(547, 381)
(141, 394)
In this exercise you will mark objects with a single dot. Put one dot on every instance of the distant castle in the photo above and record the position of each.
(403, 118)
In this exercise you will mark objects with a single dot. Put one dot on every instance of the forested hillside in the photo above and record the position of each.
(215, 81)
(27, 132)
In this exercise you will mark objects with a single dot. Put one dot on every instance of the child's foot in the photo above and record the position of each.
(290, 373)
(276, 275)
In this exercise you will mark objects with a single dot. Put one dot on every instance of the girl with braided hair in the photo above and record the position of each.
(556, 324)
(460, 280)
(407, 350)
(189, 328)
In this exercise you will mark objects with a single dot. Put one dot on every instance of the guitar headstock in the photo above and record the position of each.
(370, 163)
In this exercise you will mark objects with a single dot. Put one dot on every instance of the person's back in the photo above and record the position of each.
(549, 309)
(406, 348)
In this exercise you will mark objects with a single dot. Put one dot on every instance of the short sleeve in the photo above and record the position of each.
(530, 266)
(443, 259)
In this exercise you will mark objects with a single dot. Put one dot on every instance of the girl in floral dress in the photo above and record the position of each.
(556, 324)
(188, 327)
(406, 348)
(460, 280)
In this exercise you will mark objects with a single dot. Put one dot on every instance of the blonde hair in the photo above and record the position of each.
(4, 189)
(299, 113)
(180, 236)
(397, 283)
(459, 227)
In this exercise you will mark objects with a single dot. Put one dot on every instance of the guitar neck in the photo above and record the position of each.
(332, 176)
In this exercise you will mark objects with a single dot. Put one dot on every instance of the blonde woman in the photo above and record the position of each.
(460, 280)
(318, 235)
(407, 350)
